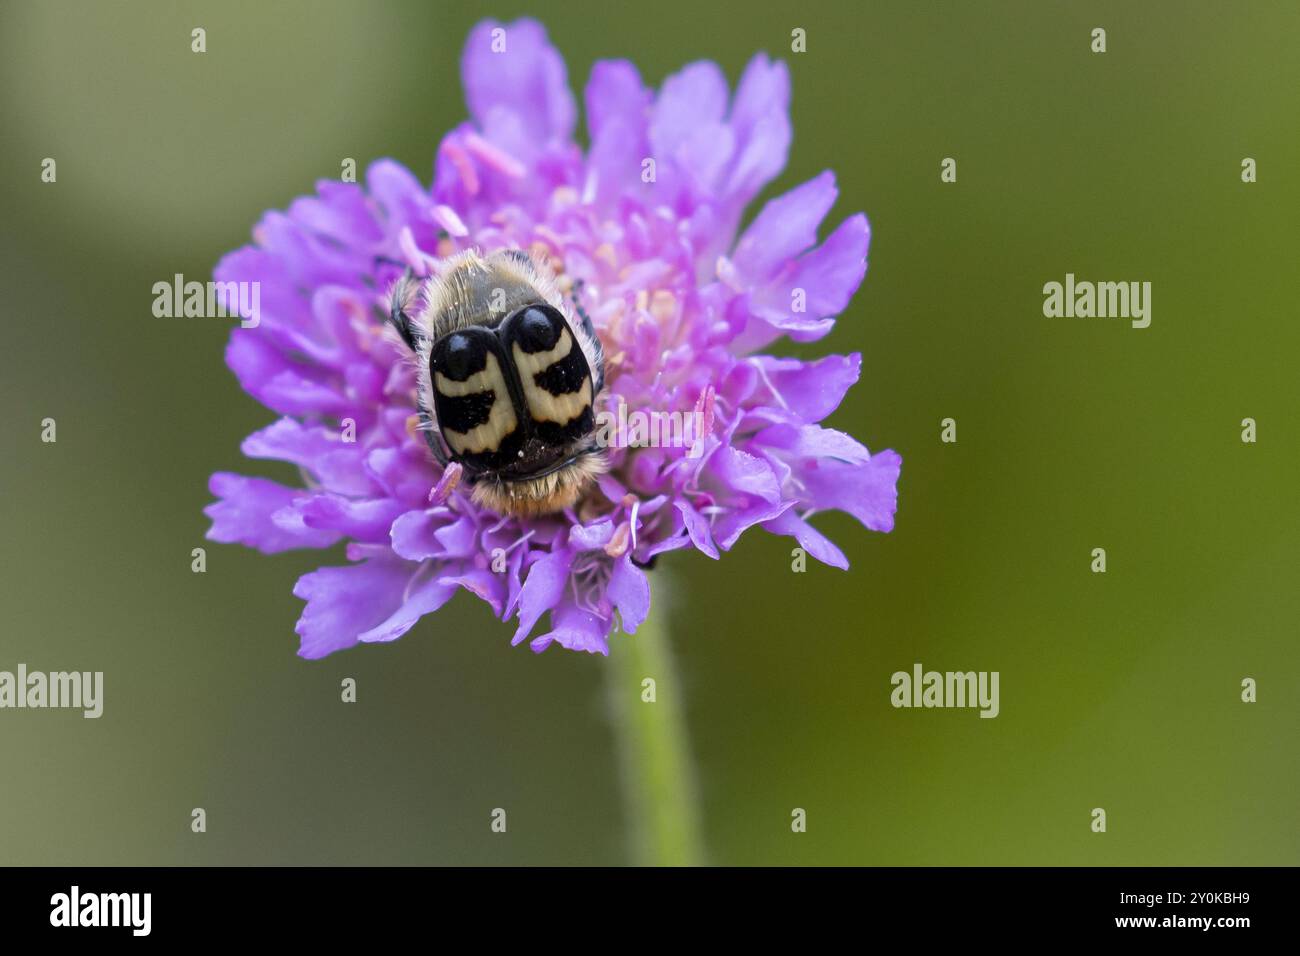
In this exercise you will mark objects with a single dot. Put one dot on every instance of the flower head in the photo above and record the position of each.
(641, 233)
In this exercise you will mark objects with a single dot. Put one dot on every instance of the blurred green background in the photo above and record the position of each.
(1118, 690)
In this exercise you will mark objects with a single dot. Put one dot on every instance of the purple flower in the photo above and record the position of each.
(642, 230)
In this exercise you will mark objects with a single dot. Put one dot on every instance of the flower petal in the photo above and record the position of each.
(243, 515)
(413, 533)
(693, 98)
(542, 590)
(760, 118)
(784, 228)
(617, 109)
(345, 602)
(282, 385)
(485, 585)
(614, 94)
(629, 589)
(749, 491)
(808, 390)
(868, 490)
(809, 538)
(517, 72)
(593, 536)
(697, 526)
(338, 465)
(424, 599)
(576, 630)
(360, 519)
(811, 441)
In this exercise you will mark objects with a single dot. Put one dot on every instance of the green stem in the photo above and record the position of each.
(659, 792)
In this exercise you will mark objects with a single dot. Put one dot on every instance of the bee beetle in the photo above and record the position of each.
(506, 380)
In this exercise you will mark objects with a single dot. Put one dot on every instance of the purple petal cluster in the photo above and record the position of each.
(681, 302)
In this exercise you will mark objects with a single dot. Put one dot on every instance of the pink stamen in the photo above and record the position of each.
(446, 217)
(464, 167)
(414, 256)
(632, 519)
(704, 407)
(725, 270)
(518, 541)
(762, 373)
(618, 544)
(446, 484)
(497, 158)
(703, 415)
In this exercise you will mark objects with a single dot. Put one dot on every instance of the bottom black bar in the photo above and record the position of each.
(213, 904)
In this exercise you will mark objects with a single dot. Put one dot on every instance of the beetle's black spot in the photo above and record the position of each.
(463, 412)
(559, 435)
(564, 376)
(459, 356)
(537, 329)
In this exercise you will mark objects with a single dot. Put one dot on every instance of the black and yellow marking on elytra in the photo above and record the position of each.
(554, 379)
(506, 381)
(512, 399)
(473, 399)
